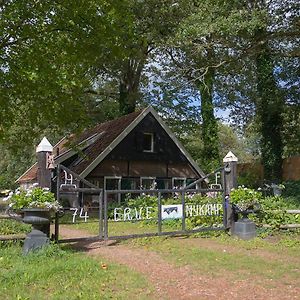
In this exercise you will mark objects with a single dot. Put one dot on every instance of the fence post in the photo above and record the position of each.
(56, 224)
(183, 209)
(43, 152)
(101, 215)
(105, 217)
(159, 213)
(230, 181)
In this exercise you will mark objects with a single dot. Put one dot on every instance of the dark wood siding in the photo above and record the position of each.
(111, 168)
(129, 160)
(165, 150)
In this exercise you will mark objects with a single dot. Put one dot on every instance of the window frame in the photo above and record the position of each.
(152, 142)
(179, 178)
(119, 178)
(147, 177)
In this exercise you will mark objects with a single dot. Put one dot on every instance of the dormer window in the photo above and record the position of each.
(148, 142)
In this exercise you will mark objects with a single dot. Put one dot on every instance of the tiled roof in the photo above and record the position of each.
(104, 135)
(29, 175)
(96, 139)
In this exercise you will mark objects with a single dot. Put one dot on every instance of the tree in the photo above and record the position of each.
(255, 35)
(229, 141)
(59, 57)
(198, 50)
(46, 71)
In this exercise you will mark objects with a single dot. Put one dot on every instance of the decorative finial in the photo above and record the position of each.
(44, 146)
(230, 157)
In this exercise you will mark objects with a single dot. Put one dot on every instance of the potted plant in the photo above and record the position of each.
(33, 206)
(245, 200)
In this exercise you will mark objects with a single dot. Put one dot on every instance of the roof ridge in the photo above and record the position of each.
(138, 112)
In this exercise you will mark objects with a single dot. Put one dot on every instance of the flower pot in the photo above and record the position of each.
(39, 236)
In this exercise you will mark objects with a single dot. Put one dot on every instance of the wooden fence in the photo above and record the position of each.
(290, 169)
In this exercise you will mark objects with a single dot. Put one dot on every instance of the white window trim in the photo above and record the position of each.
(150, 178)
(119, 184)
(179, 178)
(152, 142)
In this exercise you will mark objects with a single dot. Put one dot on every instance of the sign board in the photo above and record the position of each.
(171, 211)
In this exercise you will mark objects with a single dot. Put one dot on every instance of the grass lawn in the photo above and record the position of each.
(60, 273)
(275, 259)
(271, 261)
(272, 257)
(9, 226)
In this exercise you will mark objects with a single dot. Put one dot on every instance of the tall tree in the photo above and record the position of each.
(249, 38)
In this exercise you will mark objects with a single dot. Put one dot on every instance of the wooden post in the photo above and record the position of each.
(159, 213)
(43, 152)
(230, 182)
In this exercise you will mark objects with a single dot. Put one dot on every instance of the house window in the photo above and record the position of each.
(113, 183)
(147, 183)
(178, 182)
(163, 183)
(148, 142)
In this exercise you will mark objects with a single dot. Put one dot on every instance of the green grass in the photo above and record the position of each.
(60, 273)
(217, 262)
(127, 228)
(56, 273)
(9, 226)
(213, 261)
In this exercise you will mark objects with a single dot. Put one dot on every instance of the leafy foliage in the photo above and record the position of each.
(245, 197)
(273, 212)
(272, 209)
(33, 198)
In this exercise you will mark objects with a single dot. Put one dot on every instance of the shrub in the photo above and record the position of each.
(33, 198)
(273, 212)
(245, 198)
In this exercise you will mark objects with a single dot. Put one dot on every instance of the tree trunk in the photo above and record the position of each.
(210, 137)
(129, 92)
(269, 109)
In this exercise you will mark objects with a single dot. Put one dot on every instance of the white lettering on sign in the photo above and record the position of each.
(203, 210)
(138, 213)
(117, 214)
(128, 214)
(148, 212)
(81, 215)
(167, 211)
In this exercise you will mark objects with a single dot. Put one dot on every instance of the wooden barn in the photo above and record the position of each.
(135, 151)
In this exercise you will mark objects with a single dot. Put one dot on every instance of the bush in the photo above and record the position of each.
(273, 212)
(292, 191)
(33, 198)
(272, 208)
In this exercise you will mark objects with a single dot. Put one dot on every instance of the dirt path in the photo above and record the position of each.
(171, 282)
